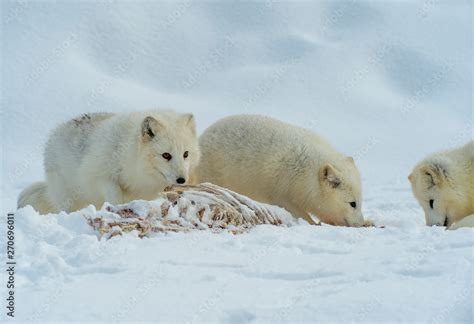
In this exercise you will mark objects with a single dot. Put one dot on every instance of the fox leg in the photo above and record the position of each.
(111, 192)
(467, 221)
(298, 213)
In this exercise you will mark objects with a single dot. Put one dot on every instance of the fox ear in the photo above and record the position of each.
(190, 122)
(434, 173)
(410, 177)
(329, 176)
(150, 127)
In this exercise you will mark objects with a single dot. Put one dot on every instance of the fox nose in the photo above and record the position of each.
(181, 180)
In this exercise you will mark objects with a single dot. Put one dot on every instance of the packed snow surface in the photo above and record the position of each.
(387, 82)
(271, 274)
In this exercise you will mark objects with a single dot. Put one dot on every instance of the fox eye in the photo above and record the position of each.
(185, 155)
(431, 203)
(166, 156)
(353, 204)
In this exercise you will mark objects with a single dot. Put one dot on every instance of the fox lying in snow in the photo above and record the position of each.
(115, 158)
(284, 165)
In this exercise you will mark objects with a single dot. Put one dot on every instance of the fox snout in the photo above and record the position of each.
(175, 179)
(444, 222)
(434, 218)
(356, 221)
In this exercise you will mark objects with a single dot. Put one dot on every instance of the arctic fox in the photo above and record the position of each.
(443, 184)
(116, 158)
(285, 165)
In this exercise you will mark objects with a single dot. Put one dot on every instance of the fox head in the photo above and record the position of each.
(170, 148)
(442, 197)
(341, 194)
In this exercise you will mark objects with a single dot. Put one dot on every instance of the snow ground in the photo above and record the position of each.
(386, 82)
(300, 273)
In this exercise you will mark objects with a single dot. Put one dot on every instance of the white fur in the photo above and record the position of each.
(447, 178)
(37, 196)
(281, 164)
(467, 221)
(115, 158)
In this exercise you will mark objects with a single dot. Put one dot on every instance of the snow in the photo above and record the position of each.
(386, 82)
(272, 274)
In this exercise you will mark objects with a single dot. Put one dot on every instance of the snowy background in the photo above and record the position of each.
(385, 81)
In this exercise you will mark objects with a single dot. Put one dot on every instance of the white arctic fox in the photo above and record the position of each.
(443, 184)
(277, 163)
(114, 158)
